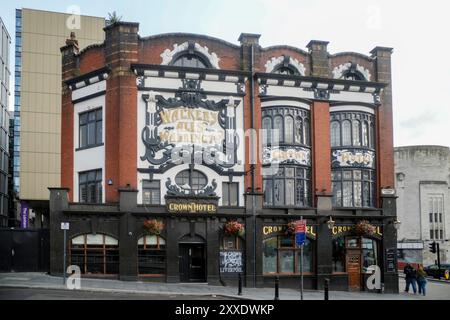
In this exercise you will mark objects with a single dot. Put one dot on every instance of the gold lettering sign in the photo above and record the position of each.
(191, 207)
(342, 229)
(191, 126)
(268, 230)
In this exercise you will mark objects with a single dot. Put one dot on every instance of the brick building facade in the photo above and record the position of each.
(186, 130)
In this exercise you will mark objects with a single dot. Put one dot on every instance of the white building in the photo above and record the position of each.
(423, 190)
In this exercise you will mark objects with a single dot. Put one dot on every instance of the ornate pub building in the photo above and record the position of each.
(186, 158)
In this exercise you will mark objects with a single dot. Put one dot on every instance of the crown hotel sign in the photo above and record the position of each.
(195, 205)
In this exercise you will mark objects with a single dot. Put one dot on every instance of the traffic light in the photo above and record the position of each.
(432, 247)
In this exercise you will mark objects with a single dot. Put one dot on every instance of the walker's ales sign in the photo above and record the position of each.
(231, 262)
(280, 155)
(353, 158)
(191, 205)
(191, 126)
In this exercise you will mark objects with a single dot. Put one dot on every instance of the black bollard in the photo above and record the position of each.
(240, 285)
(277, 284)
(326, 287)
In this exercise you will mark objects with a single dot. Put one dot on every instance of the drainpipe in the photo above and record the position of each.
(252, 166)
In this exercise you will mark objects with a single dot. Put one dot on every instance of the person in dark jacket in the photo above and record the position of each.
(410, 277)
(421, 280)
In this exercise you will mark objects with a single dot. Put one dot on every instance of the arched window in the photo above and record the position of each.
(267, 126)
(151, 255)
(190, 60)
(365, 134)
(346, 133)
(299, 130)
(278, 128)
(372, 136)
(192, 180)
(335, 131)
(281, 255)
(356, 133)
(353, 75)
(95, 254)
(285, 70)
(288, 129)
(306, 133)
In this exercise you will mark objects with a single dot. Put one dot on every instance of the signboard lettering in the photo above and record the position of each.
(231, 262)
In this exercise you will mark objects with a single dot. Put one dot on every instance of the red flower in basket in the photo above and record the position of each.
(234, 228)
(154, 226)
(363, 227)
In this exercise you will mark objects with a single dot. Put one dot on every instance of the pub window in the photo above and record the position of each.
(290, 186)
(230, 194)
(151, 192)
(192, 180)
(151, 255)
(231, 242)
(190, 60)
(353, 188)
(95, 254)
(288, 125)
(352, 129)
(335, 132)
(346, 133)
(281, 255)
(90, 186)
(285, 70)
(90, 128)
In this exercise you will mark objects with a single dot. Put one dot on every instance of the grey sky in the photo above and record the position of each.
(417, 30)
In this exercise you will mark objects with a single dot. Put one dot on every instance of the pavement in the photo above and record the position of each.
(45, 281)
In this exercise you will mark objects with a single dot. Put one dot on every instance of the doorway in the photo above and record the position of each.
(353, 263)
(192, 262)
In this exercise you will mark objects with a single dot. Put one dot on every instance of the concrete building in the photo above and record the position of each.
(423, 204)
(137, 110)
(5, 43)
(37, 104)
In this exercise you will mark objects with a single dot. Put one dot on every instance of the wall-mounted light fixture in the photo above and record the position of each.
(331, 223)
(397, 224)
(110, 182)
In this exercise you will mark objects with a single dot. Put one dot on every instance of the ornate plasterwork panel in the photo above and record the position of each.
(167, 55)
(340, 70)
(275, 61)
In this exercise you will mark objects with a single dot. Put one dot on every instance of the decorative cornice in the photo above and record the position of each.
(88, 78)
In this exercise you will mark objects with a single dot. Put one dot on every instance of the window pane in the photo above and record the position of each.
(286, 261)
(234, 194)
(357, 194)
(91, 116)
(146, 196)
(289, 129)
(287, 242)
(335, 134)
(365, 134)
(83, 136)
(356, 133)
(346, 133)
(300, 193)
(279, 192)
(83, 118)
(337, 194)
(348, 193)
(290, 192)
(270, 255)
(91, 133)
(267, 126)
(99, 138)
(307, 257)
(99, 115)
(225, 194)
(268, 191)
(278, 129)
(298, 130)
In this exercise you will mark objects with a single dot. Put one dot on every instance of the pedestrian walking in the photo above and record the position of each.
(421, 280)
(410, 278)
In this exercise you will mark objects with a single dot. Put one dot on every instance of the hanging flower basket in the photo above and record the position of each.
(364, 228)
(234, 228)
(153, 227)
(290, 229)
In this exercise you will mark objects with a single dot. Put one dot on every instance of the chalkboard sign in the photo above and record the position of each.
(231, 262)
(391, 265)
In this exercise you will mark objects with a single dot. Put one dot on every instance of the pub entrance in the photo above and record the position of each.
(192, 260)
